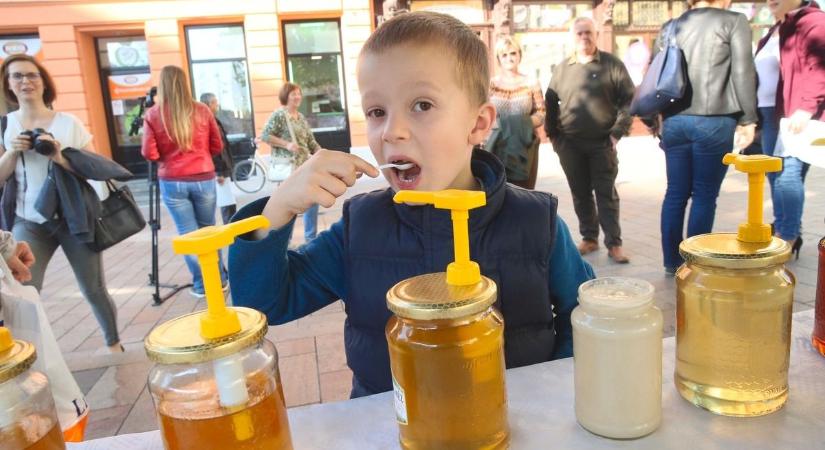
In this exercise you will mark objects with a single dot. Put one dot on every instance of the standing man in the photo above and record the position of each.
(587, 113)
(223, 162)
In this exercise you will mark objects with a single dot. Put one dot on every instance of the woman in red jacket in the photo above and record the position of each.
(182, 136)
(800, 97)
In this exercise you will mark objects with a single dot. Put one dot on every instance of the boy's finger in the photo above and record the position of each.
(323, 198)
(363, 166)
(333, 185)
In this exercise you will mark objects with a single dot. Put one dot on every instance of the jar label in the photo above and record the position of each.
(400, 402)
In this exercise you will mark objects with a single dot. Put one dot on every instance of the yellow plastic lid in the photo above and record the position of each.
(219, 330)
(16, 357)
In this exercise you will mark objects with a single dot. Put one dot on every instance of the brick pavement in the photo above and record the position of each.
(312, 362)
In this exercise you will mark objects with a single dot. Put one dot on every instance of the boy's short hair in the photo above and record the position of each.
(419, 28)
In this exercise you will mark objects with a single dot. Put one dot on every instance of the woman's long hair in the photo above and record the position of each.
(176, 106)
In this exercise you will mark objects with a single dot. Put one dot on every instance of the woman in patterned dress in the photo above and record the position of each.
(516, 94)
(277, 134)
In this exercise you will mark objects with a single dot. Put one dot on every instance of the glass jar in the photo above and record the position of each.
(818, 338)
(28, 419)
(217, 394)
(446, 346)
(734, 302)
(617, 348)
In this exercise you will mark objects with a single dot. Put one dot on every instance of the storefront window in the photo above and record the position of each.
(649, 13)
(548, 16)
(16, 44)
(217, 63)
(314, 62)
(123, 52)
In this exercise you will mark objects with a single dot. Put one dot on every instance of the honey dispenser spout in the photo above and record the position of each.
(218, 321)
(754, 230)
(462, 271)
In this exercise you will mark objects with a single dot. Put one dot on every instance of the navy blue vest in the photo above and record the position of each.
(511, 239)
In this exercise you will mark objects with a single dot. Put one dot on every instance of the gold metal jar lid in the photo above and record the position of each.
(179, 340)
(429, 297)
(16, 359)
(726, 251)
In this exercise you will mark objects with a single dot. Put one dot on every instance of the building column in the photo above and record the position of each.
(265, 60)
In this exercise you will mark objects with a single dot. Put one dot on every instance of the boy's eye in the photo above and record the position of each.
(422, 106)
(375, 113)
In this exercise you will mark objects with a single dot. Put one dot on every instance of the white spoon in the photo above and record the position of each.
(396, 166)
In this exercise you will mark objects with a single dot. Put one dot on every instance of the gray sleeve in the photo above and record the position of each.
(7, 244)
(743, 71)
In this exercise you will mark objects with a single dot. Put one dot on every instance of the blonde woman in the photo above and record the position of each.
(520, 107)
(181, 135)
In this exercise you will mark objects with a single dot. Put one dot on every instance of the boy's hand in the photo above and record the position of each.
(322, 179)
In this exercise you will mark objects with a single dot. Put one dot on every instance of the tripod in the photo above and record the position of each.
(154, 224)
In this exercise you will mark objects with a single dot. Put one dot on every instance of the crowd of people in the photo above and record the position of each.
(459, 126)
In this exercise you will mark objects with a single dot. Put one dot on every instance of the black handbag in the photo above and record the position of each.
(666, 79)
(119, 218)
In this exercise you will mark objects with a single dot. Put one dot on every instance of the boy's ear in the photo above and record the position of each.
(484, 122)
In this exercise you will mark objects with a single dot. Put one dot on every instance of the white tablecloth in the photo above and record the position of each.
(540, 399)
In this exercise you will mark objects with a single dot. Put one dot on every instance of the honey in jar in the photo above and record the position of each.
(733, 312)
(28, 419)
(446, 347)
(818, 338)
(216, 383)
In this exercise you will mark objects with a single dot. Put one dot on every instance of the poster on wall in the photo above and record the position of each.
(129, 86)
(14, 45)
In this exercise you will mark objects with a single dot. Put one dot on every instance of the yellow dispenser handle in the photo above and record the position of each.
(218, 321)
(462, 271)
(755, 166)
(6, 339)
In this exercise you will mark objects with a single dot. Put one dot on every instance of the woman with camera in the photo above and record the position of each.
(181, 135)
(32, 138)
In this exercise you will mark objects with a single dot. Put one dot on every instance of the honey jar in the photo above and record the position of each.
(28, 419)
(818, 338)
(446, 346)
(216, 383)
(733, 311)
(617, 348)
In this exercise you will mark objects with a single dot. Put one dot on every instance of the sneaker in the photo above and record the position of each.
(196, 294)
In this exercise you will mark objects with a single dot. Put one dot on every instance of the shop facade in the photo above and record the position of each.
(105, 55)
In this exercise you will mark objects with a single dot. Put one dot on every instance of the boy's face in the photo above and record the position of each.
(417, 112)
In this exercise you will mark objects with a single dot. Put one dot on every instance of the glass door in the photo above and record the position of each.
(314, 62)
(125, 75)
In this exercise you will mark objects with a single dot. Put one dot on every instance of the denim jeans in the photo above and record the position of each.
(44, 238)
(694, 147)
(770, 131)
(789, 197)
(311, 223)
(192, 205)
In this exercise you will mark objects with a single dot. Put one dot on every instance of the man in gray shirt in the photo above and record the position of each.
(587, 113)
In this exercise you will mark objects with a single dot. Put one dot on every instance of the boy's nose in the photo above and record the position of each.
(395, 129)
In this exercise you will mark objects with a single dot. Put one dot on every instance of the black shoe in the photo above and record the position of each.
(795, 247)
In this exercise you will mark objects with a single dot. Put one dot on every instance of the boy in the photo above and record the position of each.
(424, 80)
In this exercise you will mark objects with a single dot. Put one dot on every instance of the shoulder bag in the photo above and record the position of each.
(119, 218)
(666, 78)
(281, 166)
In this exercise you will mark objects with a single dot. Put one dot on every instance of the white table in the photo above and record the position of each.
(541, 414)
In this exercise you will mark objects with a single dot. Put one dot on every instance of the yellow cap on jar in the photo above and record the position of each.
(461, 290)
(753, 246)
(16, 357)
(219, 330)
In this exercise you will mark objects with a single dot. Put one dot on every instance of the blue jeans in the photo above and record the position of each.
(789, 198)
(770, 131)
(311, 223)
(694, 147)
(192, 205)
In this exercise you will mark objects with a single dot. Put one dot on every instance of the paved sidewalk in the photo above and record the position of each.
(312, 362)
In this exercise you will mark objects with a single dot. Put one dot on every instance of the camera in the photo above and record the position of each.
(146, 102)
(45, 148)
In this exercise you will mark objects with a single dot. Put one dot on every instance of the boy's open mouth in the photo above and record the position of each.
(409, 175)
